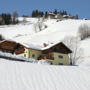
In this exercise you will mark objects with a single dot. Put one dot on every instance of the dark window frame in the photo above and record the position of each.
(60, 56)
(24, 55)
(60, 63)
(33, 55)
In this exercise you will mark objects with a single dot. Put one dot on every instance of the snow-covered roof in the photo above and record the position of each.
(32, 46)
(48, 46)
(51, 14)
(36, 47)
(65, 15)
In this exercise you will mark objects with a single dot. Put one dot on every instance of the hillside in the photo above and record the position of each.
(13, 31)
(55, 32)
(17, 75)
(26, 76)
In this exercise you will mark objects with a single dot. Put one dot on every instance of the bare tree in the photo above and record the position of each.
(15, 17)
(39, 25)
(74, 44)
(24, 20)
(84, 31)
(35, 27)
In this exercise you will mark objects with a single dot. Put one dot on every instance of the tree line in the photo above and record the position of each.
(6, 19)
(37, 13)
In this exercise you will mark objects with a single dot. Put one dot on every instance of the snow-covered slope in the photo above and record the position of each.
(13, 31)
(16, 57)
(85, 44)
(54, 33)
(27, 76)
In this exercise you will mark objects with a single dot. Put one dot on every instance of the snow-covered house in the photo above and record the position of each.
(56, 54)
(59, 16)
(51, 16)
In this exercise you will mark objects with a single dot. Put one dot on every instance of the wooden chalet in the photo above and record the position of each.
(51, 16)
(56, 54)
(11, 47)
(59, 48)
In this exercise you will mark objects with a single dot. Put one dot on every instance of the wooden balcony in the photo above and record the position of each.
(44, 57)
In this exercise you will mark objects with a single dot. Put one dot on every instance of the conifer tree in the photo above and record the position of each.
(46, 14)
(33, 13)
(76, 16)
(55, 12)
(36, 13)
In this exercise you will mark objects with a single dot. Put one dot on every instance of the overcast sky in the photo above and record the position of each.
(80, 7)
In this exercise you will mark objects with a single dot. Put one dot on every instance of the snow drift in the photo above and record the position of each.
(27, 76)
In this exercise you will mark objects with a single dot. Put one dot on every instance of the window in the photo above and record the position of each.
(24, 55)
(51, 63)
(33, 55)
(60, 56)
(5, 45)
(60, 63)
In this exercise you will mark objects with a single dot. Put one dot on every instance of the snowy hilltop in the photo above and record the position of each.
(34, 76)
(34, 32)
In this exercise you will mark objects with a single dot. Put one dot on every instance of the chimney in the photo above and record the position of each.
(44, 45)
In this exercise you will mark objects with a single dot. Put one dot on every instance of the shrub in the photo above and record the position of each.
(84, 31)
(1, 37)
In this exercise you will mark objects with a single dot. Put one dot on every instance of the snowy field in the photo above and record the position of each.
(34, 76)
(27, 76)
(55, 32)
(13, 31)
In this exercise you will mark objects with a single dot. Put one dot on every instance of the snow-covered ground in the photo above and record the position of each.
(86, 46)
(13, 31)
(16, 57)
(34, 76)
(27, 76)
(9, 56)
(55, 32)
